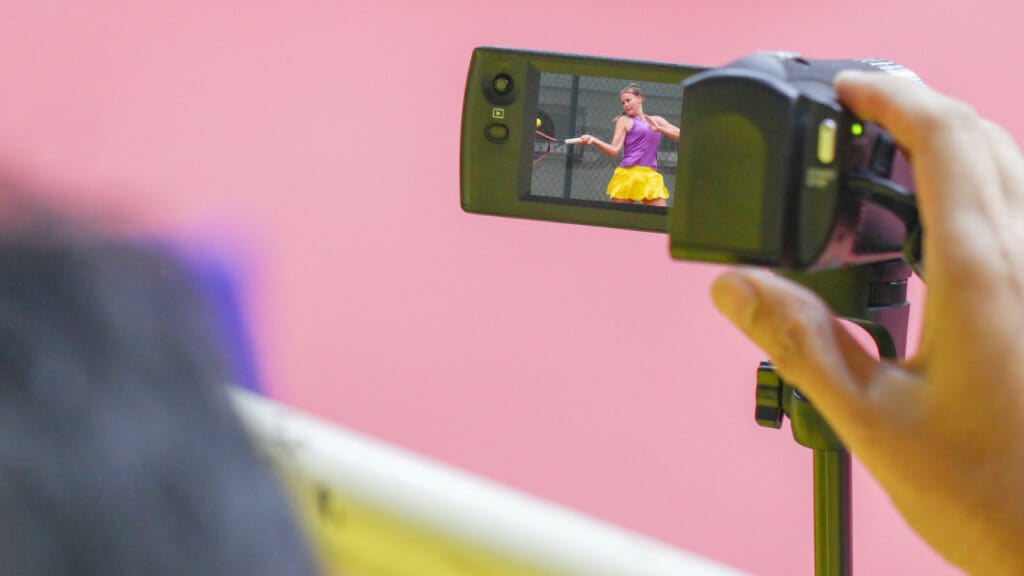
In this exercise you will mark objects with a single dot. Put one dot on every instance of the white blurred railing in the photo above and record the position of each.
(377, 510)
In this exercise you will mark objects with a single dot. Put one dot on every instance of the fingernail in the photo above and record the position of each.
(736, 298)
(856, 76)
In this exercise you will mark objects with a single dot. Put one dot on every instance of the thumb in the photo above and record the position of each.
(810, 348)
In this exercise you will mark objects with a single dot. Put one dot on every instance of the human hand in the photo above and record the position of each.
(662, 126)
(943, 432)
(654, 124)
(586, 139)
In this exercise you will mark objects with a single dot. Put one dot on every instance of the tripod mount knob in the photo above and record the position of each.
(769, 408)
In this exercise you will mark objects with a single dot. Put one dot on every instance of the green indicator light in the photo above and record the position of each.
(857, 129)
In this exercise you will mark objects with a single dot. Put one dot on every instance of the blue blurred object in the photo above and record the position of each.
(217, 277)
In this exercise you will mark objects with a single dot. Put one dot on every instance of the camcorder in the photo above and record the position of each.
(755, 162)
(760, 163)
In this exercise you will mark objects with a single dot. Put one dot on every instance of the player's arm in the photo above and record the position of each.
(618, 138)
(659, 124)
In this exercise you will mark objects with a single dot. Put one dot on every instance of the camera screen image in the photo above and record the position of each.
(569, 106)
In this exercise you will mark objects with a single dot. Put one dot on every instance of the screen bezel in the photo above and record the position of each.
(492, 184)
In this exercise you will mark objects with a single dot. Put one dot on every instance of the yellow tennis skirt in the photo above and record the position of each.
(637, 183)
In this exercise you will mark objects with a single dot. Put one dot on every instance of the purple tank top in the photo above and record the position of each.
(641, 146)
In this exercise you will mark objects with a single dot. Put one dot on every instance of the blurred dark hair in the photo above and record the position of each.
(120, 452)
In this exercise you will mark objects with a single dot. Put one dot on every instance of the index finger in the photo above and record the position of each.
(958, 182)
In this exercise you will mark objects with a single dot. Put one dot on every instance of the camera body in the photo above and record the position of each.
(775, 172)
(769, 168)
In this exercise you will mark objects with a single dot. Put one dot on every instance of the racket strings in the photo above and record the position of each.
(548, 144)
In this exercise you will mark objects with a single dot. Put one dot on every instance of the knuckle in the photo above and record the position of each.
(962, 115)
(1001, 137)
(997, 132)
(948, 115)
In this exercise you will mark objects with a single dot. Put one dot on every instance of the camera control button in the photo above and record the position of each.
(496, 132)
(827, 141)
(502, 84)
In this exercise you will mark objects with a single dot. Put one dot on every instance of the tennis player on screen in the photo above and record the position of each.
(637, 136)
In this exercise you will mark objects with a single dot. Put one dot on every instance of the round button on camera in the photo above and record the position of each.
(502, 84)
(496, 132)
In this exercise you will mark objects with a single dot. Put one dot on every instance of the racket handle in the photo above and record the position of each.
(574, 140)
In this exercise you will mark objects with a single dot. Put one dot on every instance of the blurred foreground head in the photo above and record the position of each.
(119, 451)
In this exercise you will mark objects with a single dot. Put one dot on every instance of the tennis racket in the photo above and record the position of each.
(544, 145)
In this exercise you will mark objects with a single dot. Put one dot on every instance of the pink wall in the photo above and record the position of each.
(323, 137)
